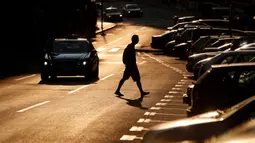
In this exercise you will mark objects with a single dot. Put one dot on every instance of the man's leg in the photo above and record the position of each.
(139, 85)
(117, 92)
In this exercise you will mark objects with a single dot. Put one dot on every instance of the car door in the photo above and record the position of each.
(242, 58)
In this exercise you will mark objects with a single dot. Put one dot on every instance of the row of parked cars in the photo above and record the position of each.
(222, 97)
(113, 14)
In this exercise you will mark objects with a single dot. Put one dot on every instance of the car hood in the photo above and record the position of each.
(136, 9)
(70, 57)
(204, 54)
(111, 14)
(180, 130)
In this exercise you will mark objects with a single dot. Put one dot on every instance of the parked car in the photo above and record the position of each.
(227, 57)
(112, 14)
(132, 10)
(221, 86)
(216, 23)
(225, 44)
(179, 47)
(193, 59)
(202, 127)
(243, 133)
(183, 19)
(70, 56)
(208, 41)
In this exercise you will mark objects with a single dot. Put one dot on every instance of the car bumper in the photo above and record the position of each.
(135, 14)
(185, 99)
(189, 67)
(67, 71)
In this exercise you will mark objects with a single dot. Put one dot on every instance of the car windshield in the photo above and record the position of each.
(71, 47)
(111, 10)
(132, 6)
(221, 42)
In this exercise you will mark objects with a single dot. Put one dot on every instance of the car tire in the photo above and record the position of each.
(93, 74)
(44, 76)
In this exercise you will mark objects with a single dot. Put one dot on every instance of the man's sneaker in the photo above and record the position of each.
(144, 93)
(118, 93)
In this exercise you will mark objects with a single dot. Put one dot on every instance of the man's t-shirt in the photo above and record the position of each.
(129, 56)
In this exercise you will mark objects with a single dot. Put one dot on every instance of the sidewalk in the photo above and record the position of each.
(106, 26)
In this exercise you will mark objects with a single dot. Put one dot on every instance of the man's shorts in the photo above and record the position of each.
(133, 72)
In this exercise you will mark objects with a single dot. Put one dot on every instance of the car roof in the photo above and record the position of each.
(184, 17)
(238, 52)
(71, 39)
(233, 65)
(131, 4)
(201, 20)
(111, 7)
(220, 7)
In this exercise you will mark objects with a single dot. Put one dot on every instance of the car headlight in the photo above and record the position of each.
(45, 63)
(120, 15)
(109, 16)
(128, 11)
(84, 63)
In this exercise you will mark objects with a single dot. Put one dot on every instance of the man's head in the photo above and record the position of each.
(135, 39)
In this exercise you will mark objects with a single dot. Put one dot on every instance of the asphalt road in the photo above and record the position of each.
(72, 109)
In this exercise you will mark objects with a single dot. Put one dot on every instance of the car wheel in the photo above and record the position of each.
(93, 74)
(44, 76)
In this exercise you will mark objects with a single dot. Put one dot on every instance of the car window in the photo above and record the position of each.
(227, 60)
(111, 10)
(71, 47)
(221, 42)
(246, 77)
(244, 58)
(132, 6)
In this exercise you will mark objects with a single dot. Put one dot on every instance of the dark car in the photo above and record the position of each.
(70, 57)
(202, 127)
(222, 86)
(132, 10)
(227, 57)
(244, 133)
(180, 46)
(112, 14)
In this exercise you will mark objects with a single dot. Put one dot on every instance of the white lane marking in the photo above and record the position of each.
(176, 88)
(71, 92)
(173, 92)
(143, 28)
(114, 50)
(142, 120)
(137, 129)
(142, 62)
(94, 43)
(110, 62)
(110, 34)
(138, 53)
(130, 138)
(25, 77)
(100, 49)
(107, 77)
(165, 100)
(155, 108)
(161, 104)
(165, 114)
(169, 96)
(143, 58)
(119, 29)
(177, 85)
(33, 106)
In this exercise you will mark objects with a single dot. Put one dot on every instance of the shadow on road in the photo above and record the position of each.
(69, 81)
(135, 102)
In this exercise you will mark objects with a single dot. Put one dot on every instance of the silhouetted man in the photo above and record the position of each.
(129, 59)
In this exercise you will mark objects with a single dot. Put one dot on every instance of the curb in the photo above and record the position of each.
(108, 28)
(149, 50)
